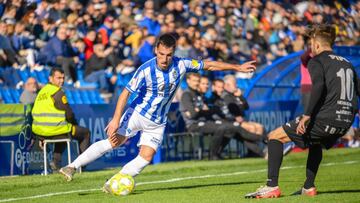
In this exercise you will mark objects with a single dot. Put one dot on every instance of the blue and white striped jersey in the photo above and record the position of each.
(156, 87)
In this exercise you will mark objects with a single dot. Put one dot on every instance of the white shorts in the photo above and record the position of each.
(151, 133)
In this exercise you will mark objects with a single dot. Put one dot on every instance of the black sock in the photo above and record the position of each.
(275, 149)
(312, 165)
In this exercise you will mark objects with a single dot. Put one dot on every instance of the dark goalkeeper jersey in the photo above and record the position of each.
(334, 94)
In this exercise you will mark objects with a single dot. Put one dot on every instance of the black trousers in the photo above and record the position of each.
(223, 131)
(251, 140)
(217, 131)
(69, 67)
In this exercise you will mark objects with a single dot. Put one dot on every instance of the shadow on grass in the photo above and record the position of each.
(339, 191)
(96, 193)
(196, 186)
(137, 191)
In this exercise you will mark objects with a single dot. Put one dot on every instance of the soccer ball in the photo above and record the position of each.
(120, 184)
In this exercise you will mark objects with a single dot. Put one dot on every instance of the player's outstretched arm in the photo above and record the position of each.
(114, 123)
(220, 66)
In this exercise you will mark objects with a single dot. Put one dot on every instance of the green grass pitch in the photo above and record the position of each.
(338, 180)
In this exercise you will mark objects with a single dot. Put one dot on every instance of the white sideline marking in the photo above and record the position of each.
(171, 180)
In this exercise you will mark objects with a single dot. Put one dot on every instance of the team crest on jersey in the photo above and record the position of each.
(174, 73)
(194, 63)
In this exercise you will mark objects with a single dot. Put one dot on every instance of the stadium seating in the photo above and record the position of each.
(281, 80)
(6, 95)
(74, 96)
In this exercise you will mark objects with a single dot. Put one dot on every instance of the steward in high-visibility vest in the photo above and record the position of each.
(47, 119)
(53, 117)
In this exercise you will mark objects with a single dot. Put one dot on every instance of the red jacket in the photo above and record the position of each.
(89, 48)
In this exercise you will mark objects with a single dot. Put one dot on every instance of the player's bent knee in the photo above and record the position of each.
(277, 134)
(147, 152)
(116, 140)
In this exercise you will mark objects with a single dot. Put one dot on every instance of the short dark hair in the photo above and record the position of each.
(202, 76)
(324, 33)
(167, 40)
(56, 69)
(192, 74)
(217, 80)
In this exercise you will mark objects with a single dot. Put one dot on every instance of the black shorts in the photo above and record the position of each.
(317, 133)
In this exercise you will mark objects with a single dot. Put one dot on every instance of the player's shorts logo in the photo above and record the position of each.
(128, 131)
(155, 141)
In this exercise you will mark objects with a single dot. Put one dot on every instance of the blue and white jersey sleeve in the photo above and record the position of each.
(193, 65)
(137, 81)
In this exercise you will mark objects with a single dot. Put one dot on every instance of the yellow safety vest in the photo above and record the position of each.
(47, 119)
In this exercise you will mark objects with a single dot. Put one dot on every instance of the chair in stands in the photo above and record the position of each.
(16, 95)
(85, 97)
(6, 95)
(69, 96)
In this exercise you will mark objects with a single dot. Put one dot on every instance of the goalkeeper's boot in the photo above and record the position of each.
(265, 192)
(307, 192)
(68, 172)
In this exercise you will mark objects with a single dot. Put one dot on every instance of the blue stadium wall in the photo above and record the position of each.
(273, 96)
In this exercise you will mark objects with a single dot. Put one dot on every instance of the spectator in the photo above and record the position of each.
(194, 112)
(237, 105)
(126, 18)
(233, 129)
(146, 49)
(45, 33)
(252, 21)
(134, 39)
(236, 56)
(106, 29)
(51, 109)
(58, 52)
(180, 13)
(29, 94)
(7, 52)
(57, 10)
(256, 54)
(184, 48)
(43, 9)
(149, 21)
(116, 56)
(89, 40)
(95, 69)
(23, 44)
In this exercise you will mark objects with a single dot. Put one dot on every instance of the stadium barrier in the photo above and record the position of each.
(19, 157)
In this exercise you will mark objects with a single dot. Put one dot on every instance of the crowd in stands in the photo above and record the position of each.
(106, 39)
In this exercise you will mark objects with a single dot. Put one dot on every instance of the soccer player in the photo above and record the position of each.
(155, 83)
(329, 114)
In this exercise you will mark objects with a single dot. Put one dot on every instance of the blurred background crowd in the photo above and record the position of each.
(98, 41)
